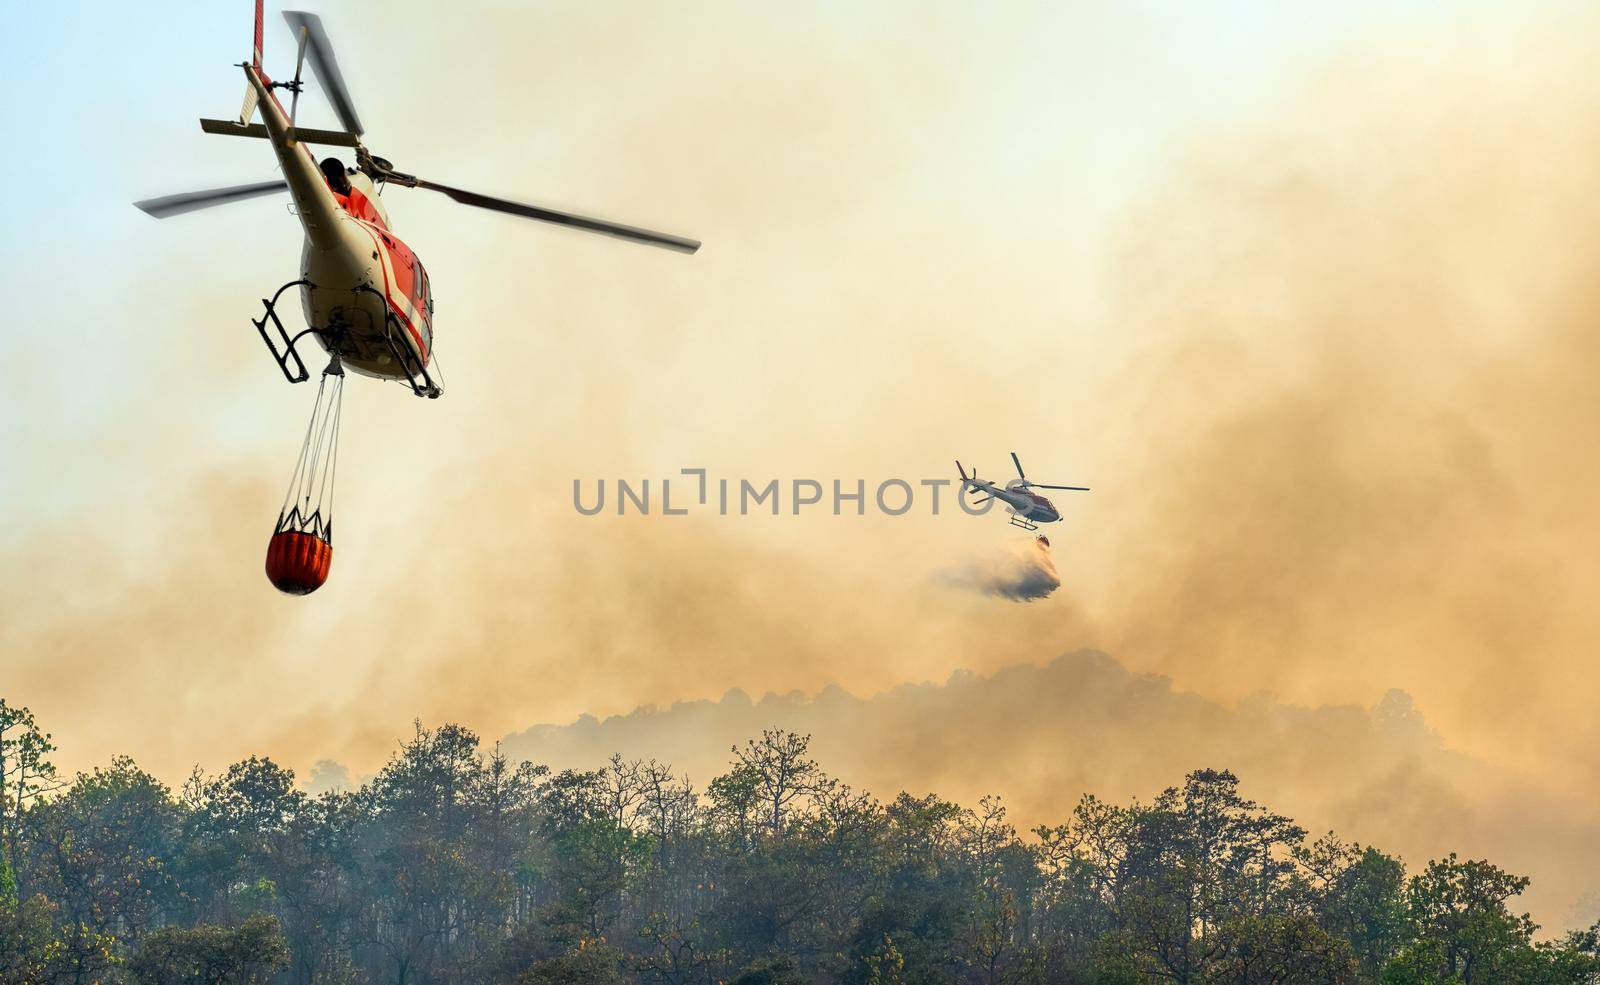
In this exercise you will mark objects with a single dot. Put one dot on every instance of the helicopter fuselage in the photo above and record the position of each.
(366, 293)
(1029, 505)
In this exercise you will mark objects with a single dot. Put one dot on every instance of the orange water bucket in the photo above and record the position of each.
(298, 563)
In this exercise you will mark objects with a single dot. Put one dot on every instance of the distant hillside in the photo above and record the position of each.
(1041, 736)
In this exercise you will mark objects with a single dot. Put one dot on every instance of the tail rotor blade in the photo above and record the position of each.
(325, 66)
(171, 205)
(299, 63)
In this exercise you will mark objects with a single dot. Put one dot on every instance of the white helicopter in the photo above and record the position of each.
(1027, 509)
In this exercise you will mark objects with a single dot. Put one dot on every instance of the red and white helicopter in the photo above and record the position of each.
(1027, 509)
(364, 293)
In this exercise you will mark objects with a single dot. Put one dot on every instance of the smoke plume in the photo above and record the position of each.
(1019, 570)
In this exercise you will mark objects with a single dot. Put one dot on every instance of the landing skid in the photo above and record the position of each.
(288, 351)
(1017, 521)
(402, 354)
(287, 356)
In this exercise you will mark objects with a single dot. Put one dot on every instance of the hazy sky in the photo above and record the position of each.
(1305, 292)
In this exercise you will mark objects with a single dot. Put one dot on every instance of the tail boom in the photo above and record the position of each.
(319, 210)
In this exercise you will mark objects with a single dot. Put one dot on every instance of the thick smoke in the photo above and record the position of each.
(1328, 360)
(1019, 570)
(1043, 735)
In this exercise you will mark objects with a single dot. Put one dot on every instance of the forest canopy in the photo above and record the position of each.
(455, 864)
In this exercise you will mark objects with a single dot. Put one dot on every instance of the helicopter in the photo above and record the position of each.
(366, 298)
(365, 294)
(1027, 509)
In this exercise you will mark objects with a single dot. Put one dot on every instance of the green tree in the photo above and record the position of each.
(210, 955)
(1461, 925)
(1278, 949)
(454, 864)
(592, 962)
(1201, 857)
(103, 849)
(778, 970)
(413, 848)
(26, 775)
(36, 949)
(777, 763)
(234, 838)
(1364, 903)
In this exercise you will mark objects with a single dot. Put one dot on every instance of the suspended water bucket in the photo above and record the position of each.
(298, 563)
(301, 549)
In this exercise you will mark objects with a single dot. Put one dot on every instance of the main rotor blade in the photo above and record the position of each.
(324, 65)
(171, 205)
(1018, 462)
(637, 235)
(1040, 485)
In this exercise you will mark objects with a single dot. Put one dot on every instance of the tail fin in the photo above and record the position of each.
(248, 110)
(255, 53)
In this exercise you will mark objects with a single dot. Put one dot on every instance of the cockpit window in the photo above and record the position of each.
(333, 170)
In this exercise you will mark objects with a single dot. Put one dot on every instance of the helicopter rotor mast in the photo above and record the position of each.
(315, 48)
